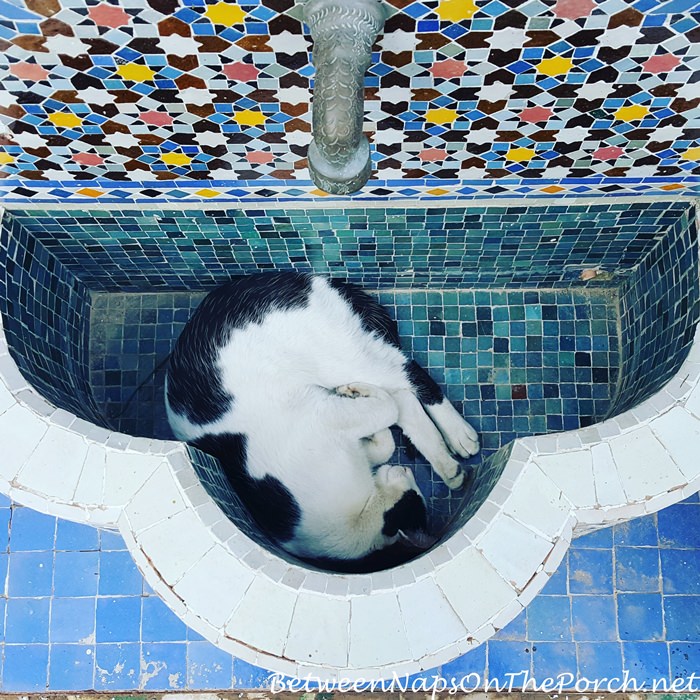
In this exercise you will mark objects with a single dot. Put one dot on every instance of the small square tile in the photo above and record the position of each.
(30, 574)
(639, 532)
(600, 539)
(515, 630)
(558, 583)
(646, 661)
(640, 616)
(27, 621)
(208, 667)
(72, 620)
(248, 676)
(685, 659)
(111, 541)
(473, 662)
(591, 571)
(680, 570)
(594, 618)
(77, 574)
(549, 618)
(118, 620)
(25, 668)
(76, 537)
(678, 526)
(117, 667)
(682, 618)
(508, 657)
(119, 575)
(555, 659)
(159, 623)
(71, 667)
(31, 531)
(164, 665)
(637, 569)
(598, 660)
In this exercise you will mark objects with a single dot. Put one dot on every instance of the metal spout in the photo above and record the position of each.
(343, 32)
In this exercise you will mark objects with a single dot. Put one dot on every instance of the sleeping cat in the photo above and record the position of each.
(292, 381)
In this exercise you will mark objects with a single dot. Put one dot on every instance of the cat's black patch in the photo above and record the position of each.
(379, 560)
(195, 389)
(268, 500)
(408, 514)
(372, 314)
(429, 393)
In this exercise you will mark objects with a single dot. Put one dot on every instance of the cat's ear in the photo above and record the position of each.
(417, 538)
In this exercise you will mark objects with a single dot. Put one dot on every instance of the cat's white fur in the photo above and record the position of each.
(315, 398)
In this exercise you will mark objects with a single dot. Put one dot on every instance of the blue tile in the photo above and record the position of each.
(552, 659)
(119, 575)
(681, 571)
(76, 537)
(118, 620)
(685, 660)
(111, 541)
(549, 618)
(71, 667)
(5, 517)
(515, 630)
(640, 532)
(164, 665)
(640, 616)
(159, 623)
(594, 618)
(32, 531)
(508, 657)
(247, 675)
(208, 667)
(600, 539)
(473, 662)
(5, 501)
(117, 666)
(591, 571)
(682, 617)
(559, 581)
(25, 668)
(646, 661)
(27, 621)
(72, 619)
(76, 574)
(678, 526)
(598, 660)
(637, 569)
(30, 574)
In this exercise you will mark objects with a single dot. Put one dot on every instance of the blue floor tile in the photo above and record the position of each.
(598, 660)
(159, 623)
(77, 574)
(27, 621)
(681, 571)
(646, 661)
(685, 660)
(553, 659)
(32, 531)
(111, 541)
(600, 539)
(25, 668)
(473, 662)
(117, 666)
(508, 657)
(515, 630)
(5, 516)
(119, 575)
(682, 617)
(75, 537)
(591, 571)
(71, 667)
(558, 583)
(549, 618)
(30, 574)
(118, 620)
(72, 620)
(640, 616)
(247, 675)
(637, 569)
(678, 526)
(164, 665)
(208, 667)
(594, 618)
(640, 532)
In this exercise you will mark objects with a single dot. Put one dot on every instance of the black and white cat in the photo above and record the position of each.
(292, 381)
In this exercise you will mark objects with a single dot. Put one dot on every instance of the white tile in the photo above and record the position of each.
(572, 472)
(319, 630)
(215, 586)
(431, 623)
(159, 498)
(474, 588)
(90, 487)
(377, 635)
(663, 500)
(20, 433)
(125, 474)
(679, 432)
(263, 616)
(608, 487)
(538, 502)
(643, 464)
(515, 552)
(55, 465)
(176, 544)
(7, 400)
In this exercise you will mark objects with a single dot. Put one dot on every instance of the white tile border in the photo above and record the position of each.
(275, 614)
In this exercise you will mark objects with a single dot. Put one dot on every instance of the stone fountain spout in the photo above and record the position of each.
(343, 32)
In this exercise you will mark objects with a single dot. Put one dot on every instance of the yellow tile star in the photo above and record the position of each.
(225, 13)
(135, 72)
(555, 66)
(6, 158)
(519, 155)
(441, 115)
(176, 159)
(456, 10)
(248, 117)
(692, 154)
(207, 193)
(65, 119)
(631, 113)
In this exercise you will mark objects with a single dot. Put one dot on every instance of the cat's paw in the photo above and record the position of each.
(459, 436)
(450, 472)
(360, 390)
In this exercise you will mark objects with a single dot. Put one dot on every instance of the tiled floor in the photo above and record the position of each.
(76, 615)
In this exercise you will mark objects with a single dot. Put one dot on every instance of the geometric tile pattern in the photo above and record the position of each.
(204, 100)
(76, 615)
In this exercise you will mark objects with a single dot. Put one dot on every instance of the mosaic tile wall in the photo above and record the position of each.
(202, 100)
(660, 307)
(464, 247)
(75, 614)
(45, 317)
